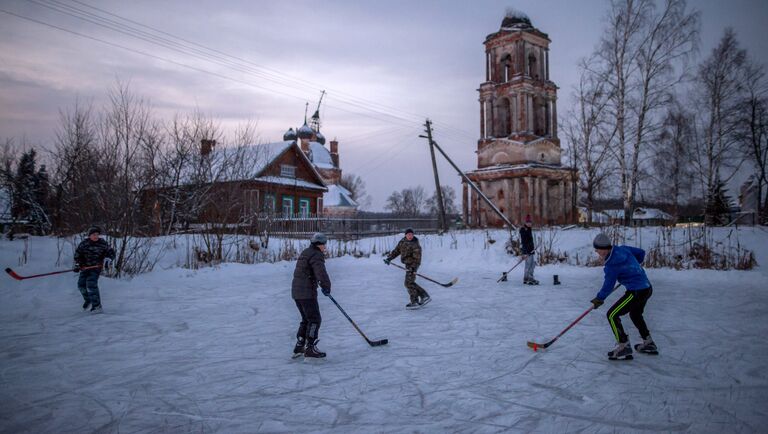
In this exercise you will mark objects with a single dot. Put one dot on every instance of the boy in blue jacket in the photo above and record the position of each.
(622, 263)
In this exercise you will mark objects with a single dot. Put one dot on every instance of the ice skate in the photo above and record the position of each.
(647, 347)
(623, 351)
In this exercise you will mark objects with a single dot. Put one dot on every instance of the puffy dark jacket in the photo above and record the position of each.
(409, 252)
(526, 240)
(310, 271)
(90, 253)
(623, 264)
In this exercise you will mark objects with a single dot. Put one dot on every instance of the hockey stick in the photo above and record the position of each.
(536, 346)
(447, 285)
(370, 342)
(504, 274)
(20, 277)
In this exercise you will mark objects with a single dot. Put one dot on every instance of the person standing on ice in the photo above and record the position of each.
(623, 263)
(309, 273)
(526, 239)
(92, 252)
(409, 251)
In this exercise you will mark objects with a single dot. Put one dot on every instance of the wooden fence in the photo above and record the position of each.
(341, 227)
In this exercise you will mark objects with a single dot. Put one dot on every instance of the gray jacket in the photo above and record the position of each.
(310, 271)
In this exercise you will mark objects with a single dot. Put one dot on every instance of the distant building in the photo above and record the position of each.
(337, 201)
(518, 154)
(277, 179)
(640, 217)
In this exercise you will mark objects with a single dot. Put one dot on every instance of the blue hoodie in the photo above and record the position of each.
(623, 264)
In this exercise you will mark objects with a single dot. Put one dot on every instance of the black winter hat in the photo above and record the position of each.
(93, 230)
(408, 231)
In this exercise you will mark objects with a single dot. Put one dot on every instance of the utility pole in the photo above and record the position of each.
(479, 192)
(438, 190)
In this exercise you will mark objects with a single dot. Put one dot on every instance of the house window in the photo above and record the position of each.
(287, 171)
(287, 207)
(269, 203)
(303, 208)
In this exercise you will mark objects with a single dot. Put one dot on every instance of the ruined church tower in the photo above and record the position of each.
(518, 154)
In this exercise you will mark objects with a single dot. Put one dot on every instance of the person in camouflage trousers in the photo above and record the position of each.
(409, 251)
(90, 255)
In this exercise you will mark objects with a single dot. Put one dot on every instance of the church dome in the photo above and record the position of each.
(289, 135)
(305, 132)
(320, 138)
(516, 19)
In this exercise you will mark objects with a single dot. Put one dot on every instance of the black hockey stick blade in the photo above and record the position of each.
(449, 284)
(378, 343)
(13, 274)
(535, 346)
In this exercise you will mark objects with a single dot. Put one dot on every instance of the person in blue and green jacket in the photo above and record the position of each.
(623, 264)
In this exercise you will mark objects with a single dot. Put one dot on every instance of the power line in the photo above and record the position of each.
(278, 77)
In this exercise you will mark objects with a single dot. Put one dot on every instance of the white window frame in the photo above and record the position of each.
(287, 171)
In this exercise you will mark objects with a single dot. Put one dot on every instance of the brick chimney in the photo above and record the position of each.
(335, 152)
(206, 146)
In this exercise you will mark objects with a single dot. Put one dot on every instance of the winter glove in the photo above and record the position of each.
(326, 291)
(597, 302)
(387, 261)
(411, 269)
(76, 269)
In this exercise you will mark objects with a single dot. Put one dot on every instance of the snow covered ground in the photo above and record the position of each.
(209, 350)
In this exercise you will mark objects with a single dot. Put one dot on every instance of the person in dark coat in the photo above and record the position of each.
(91, 255)
(529, 250)
(624, 264)
(309, 273)
(409, 251)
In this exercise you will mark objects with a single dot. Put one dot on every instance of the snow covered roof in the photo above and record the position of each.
(515, 19)
(320, 156)
(256, 158)
(282, 180)
(338, 196)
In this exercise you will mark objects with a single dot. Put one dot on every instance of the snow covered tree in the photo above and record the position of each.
(29, 195)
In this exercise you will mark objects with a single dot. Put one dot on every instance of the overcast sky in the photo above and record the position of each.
(376, 59)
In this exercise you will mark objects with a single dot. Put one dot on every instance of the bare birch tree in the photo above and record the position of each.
(590, 134)
(720, 92)
(642, 47)
(753, 132)
(673, 153)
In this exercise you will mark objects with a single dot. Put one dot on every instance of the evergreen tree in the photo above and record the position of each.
(717, 211)
(30, 193)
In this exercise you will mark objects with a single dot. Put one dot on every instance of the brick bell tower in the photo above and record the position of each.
(518, 153)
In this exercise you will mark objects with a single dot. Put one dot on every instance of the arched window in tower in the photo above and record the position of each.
(533, 72)
(506, 65)
(539, 118)
(501, 118)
